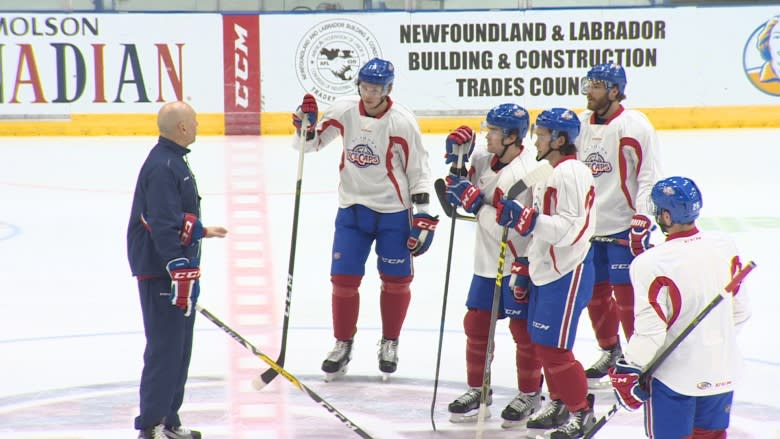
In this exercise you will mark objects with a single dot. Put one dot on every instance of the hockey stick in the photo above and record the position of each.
(266, 377)
(460, 153)
(647, 374)
(279, 370)
(441, 193)
(539, 174)
(609, 240)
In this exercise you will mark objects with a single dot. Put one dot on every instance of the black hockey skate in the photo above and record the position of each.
(579, 423)
(466, 407)
(180, 433)
(388, 357)
(518, 410)
(335, 364)
(598, 371)
(156, 432)
(553, 415)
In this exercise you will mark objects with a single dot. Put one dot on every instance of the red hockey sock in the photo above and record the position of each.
(345, 305)
(529, 367)
(603, 315)
(476, 323)
(700, 433)
(624, 296)
(393, 303)
(566, 376)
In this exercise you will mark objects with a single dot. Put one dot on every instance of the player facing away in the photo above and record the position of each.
(560, 261)
(690, 393)
(384, 186)
(620, 147)
(498, 165)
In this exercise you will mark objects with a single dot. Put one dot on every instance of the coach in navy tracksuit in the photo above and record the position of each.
(163, 249)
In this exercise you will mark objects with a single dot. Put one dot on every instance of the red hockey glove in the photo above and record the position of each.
(192, 230)
(421, 235)
(307, 109)
(461, 136)
(639, 236)
(185, 287)
(460, 192)
(510, 213)
(520, 280)
(625, 383)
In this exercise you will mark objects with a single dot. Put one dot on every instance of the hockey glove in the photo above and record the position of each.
(639, 236)
(460, 192)
(520, 279)
(625, 384)
(421, 235)
(461, 136)
(185, 287)
(307, 109)
(192, 230)
(510, 213)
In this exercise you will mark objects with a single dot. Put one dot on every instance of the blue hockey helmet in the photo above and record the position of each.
(611, 74)
(509, 117)
(377, 71)
(678, 195)
(560, 120)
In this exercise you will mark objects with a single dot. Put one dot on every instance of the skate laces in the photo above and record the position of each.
(341, 349)
(388, 350)
(523, 402)
(575, 424)
(158, 432)
(470, 397)
(608, 359)
(550, 411)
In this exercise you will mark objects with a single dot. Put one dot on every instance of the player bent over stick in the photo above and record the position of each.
(384, 171)
(498, 165)
(690, 392)
(560, 263)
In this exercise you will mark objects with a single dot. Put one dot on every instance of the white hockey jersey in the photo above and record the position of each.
(560, 239)
(383, 161)
(623, 156)
(488, 236)
(673, 282)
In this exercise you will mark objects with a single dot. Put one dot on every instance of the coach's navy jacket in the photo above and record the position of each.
(165, 190)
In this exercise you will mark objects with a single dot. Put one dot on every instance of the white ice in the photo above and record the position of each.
(71, 338)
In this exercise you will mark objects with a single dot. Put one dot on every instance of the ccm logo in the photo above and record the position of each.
(241, 52)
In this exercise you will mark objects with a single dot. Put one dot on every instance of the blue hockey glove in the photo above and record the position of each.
(185, 287)
(192, 230)
(625, 384)
(461, 136)
(421, 235)
(520, 280)
(460, 192)
(511, 213)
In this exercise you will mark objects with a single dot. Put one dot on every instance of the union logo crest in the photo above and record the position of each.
(761, 57)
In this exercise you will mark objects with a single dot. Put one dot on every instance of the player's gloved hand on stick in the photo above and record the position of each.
(520, 279)
(192, 230)
(185, 287)
(460, 192)
(308, 110)
(625, 384)
(510, 213)
(421, 235)
(455, 141)
(639, 236)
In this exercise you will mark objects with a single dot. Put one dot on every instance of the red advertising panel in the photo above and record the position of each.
(241, 48)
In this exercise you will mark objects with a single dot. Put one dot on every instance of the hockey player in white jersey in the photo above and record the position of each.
(503, 161)
(620, 146)
(690, 393)
(560, 261)
(384, 187)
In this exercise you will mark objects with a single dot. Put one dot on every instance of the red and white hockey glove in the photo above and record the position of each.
(192, 230)
(421, 235)
(520, 279)
(307, 109)
(461, 136)
(639, 236)
(185, 287)
(625, 384)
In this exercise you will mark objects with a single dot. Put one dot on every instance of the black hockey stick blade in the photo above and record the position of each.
(441, 193)
(283, 372)
(609, 240)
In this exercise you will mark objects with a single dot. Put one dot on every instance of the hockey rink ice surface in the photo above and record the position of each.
(71, 336)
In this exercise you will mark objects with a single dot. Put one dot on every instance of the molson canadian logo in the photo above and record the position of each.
(329, 56)
(761, 57)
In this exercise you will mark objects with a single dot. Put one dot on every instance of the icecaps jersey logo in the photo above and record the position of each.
(597, 164)
(362, 156)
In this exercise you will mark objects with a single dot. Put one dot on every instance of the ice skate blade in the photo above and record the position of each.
(468, 418)
(599, 383)
(385, 377)
(331, 376)
(514, 425)
(540, 434)
(258, 383)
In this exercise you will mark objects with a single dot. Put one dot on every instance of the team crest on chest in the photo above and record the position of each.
(597, 164)
(362, 156)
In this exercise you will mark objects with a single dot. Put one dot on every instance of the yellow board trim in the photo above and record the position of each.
(279, 123)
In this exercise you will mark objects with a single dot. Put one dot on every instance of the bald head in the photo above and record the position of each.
(176, 121)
